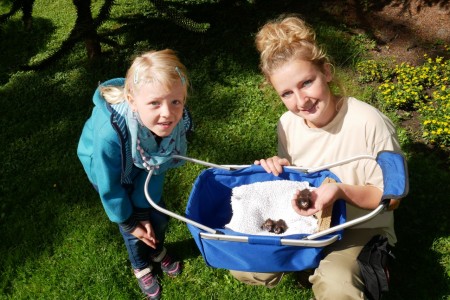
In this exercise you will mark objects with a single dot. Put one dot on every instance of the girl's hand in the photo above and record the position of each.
(322, 197)
(273, 164)
(144, 232)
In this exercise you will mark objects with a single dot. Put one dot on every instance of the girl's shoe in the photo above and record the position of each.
(168, 264)
(148, 283)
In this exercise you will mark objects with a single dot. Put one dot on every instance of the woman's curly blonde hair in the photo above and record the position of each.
(287, 38)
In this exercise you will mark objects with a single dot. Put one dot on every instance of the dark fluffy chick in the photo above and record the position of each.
(280, 227)
(304, 199)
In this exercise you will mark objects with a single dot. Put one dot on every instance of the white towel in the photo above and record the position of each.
(253, 204)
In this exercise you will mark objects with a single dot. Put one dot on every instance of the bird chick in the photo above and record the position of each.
(268, 225)
(304, 199)
(280, 227)
(277, 227)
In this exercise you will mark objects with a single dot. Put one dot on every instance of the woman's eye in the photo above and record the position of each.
(286, 94)
(307, 83)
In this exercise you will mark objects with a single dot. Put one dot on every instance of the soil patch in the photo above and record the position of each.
(403, 30)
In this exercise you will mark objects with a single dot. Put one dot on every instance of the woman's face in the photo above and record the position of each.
(303, 88)
(159, 110)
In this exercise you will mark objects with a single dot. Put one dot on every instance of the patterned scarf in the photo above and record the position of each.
(145, 150)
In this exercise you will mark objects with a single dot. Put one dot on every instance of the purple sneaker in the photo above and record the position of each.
(168, 264)
(148, 283)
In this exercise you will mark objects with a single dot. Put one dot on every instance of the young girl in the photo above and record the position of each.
(136, 124)
(322, 127)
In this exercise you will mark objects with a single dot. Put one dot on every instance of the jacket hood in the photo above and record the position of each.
(98, 98)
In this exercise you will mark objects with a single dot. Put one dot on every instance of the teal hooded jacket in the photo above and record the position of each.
(105, 153)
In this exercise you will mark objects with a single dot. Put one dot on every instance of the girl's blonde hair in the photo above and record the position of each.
(162, 67)
(285, 39)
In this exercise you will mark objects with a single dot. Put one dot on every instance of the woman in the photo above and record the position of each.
(322, 127)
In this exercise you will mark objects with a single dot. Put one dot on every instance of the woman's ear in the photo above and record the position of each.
(327, 68)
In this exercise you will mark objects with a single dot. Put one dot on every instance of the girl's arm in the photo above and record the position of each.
(115, 198)
(108, 169)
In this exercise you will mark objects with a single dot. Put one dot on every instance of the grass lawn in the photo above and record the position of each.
(56, 241)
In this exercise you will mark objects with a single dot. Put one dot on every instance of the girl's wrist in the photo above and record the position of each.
(130, 224)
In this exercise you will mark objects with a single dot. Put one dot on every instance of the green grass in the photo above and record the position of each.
(56, 241)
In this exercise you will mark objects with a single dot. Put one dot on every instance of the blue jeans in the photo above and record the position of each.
(138, 252)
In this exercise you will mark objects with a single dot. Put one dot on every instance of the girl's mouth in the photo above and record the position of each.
(165, 124)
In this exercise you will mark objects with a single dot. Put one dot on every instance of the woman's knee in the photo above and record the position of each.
(336, 280)
(266, 279)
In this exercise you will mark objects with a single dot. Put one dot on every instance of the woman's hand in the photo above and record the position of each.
(144, 232)
(273, 164)
(365, 197)
(322, 197)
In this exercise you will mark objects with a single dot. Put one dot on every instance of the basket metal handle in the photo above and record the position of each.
(170, 213)
(333, 229)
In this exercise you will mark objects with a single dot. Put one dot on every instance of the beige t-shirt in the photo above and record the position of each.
(357, 129)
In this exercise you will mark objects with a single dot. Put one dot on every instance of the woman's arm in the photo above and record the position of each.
(366, 197)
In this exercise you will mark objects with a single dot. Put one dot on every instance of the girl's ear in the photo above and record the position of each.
(131, 102)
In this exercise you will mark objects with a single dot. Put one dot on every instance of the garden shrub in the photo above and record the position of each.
(424, 89)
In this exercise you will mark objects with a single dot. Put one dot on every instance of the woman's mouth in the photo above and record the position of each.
(311, 108)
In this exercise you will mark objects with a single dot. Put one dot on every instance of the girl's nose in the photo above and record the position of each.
(165, 110)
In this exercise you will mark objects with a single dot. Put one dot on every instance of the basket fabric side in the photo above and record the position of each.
(253, 257)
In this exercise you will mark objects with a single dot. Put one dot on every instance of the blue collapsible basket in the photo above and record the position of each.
(209, 204)
(209, 210)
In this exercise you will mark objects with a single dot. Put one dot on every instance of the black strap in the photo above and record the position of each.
(373, 262)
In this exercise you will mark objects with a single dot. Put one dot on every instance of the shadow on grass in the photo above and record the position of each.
(19, 45)
(421, 220)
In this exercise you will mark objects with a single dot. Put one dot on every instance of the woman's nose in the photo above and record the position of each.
(300, 98)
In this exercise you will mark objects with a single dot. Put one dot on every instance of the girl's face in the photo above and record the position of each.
(159, 110)
(303, 88)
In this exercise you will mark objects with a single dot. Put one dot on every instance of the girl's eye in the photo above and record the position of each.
(177, 102)
(154, 104)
